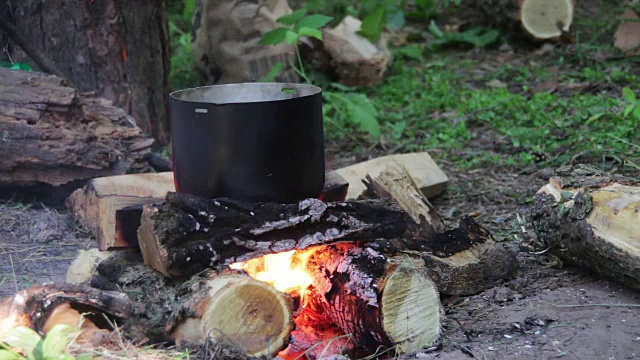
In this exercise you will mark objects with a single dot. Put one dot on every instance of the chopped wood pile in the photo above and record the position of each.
(54, 135)
(282, 279)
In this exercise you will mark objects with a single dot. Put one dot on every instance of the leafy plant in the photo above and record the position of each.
(633, 104)
(343, 107)
(182, 73)
(296, 25)
(23, 343)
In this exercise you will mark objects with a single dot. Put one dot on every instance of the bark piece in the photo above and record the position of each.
(233, 308)
(462, 261)
(40, 307)
(396, 182)
(96, 205)
(186, 234)
(116, 48)
(84, 266)
(593, 222)
(53, 135)
(429, 178)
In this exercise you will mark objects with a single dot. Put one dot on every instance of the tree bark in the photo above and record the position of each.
(52, 135)
(593, 222)
(118, 49)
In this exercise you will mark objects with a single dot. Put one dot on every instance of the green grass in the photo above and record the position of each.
(440, 103)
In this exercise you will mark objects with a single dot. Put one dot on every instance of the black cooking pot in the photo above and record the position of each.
(252, 142)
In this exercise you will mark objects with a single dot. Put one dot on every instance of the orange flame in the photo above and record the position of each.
(286, 271)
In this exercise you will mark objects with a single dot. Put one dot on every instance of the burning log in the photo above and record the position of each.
(226, 306)
(53, 135)
(592, 220)
(462, 261)
(186, 234)
(40, 307)
(380, 302)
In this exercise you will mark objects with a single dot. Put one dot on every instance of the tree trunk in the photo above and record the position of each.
(118, 49)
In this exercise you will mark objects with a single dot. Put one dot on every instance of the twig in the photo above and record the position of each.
(13, 269)
(40, 59)
(590, 305)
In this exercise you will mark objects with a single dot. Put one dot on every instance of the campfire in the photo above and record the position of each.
(315, 278)
(286, 271)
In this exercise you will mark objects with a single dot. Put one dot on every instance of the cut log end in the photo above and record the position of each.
(244, 312)
(411, 309)
(546, 19)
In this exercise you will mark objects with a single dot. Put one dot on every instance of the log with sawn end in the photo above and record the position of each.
(592, 220)
(186, 234)
(462, 261)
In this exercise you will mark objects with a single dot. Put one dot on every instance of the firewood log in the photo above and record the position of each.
(381, 302)
(40, 307)
(538, 19)
(186, 234)
(234, 308)
(227, 306)
(96, 205)
(54, 135)
(111, 207)
(462, 261)
(593, 220)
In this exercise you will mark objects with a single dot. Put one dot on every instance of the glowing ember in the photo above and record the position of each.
(285, 271)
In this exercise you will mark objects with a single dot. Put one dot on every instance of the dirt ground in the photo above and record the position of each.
(547, 311)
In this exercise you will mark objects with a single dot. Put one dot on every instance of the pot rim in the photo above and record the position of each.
(251, 93)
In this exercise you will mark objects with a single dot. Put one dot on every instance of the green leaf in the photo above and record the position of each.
(305, 31)
(57, 340)
(26, 339)
(10, 355)
(291, 37)
(413, 52)
(373, 24)
(274, 37)
(398, 129)
(628, 95)
(275, 70)
(628, 110)
(636, 112)
(315, 21)
(292, 18)
(434, 30)
(396, 20)
(362, 112)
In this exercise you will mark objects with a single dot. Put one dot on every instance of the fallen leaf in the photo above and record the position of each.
(495, 83)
